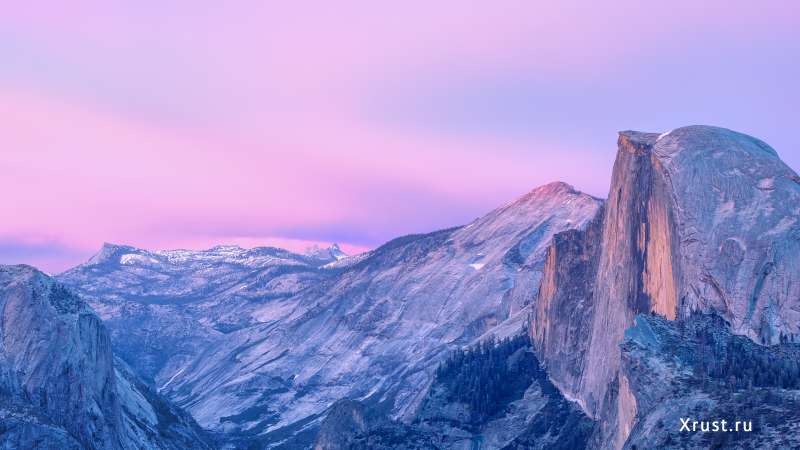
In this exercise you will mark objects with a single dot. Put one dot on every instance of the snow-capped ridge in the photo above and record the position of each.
(326, 255)
(108, 252)
(337, 253)
(226, 253)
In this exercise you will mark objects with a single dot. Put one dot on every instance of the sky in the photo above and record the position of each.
(190, 124)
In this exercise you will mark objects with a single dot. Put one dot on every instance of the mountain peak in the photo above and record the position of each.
(330, 253)
(706, 138)
(703, 137)
(107, 252)
(223, 248)
(557, 191)
(555, 188)
(637, 142)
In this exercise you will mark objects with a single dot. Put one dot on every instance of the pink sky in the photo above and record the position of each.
(198, 124)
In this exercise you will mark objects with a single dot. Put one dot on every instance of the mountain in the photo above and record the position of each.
(556, 321)
(162, 307)
(699, 219)
(59, 383)
(328, 255)
(260, 352)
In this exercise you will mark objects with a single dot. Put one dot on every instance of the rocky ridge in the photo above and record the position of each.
(371, 327)
(59, 384)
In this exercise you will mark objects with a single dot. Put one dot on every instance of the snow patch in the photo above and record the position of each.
(663, 135)
(132, 258)
(171, 380)
(766, 184)
(347, 261)
(272, 311)
(477, 266)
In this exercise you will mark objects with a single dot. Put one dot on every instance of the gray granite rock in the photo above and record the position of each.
(59, 385)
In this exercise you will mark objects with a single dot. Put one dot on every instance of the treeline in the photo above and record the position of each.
(741, 364)
(486, 377)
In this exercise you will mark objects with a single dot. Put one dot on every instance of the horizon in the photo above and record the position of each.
(196, 125)
(301, 247)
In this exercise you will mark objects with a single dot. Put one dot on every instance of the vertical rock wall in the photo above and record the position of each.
(60, 355)
(700, 218)
(563, 312)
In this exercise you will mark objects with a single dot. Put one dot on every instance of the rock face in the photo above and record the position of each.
(697, 219)
(736, 209)
(59, 385)
(372, 326)
(345, 420)
(564, 309)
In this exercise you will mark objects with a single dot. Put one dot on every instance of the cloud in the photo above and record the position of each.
(191, 124)
(49, 255)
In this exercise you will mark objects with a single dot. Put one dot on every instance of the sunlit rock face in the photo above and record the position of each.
(634, 273)
(736, 209)
(697, 219)
(59, 384)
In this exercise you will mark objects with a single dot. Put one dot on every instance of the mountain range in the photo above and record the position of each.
(559, 320)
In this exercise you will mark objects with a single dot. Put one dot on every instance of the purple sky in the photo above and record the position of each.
(188, 124)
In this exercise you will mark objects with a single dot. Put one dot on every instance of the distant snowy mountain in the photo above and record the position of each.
(164, 306)
(329, 254)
